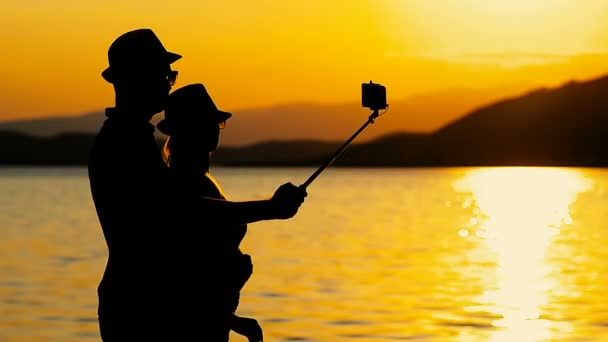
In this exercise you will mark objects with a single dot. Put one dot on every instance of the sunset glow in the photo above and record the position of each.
(511, 29)
(268, 52)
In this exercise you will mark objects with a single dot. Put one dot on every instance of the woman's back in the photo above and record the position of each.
(233, 235)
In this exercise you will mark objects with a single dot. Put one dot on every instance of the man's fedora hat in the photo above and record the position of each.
(137, 51)
(190, 107)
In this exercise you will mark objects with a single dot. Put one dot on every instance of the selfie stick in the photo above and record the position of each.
(375, 114)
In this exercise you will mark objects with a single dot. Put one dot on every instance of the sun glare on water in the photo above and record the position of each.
(521, 211)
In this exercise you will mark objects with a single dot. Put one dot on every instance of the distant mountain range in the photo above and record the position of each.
(563, 126)
(305, 121)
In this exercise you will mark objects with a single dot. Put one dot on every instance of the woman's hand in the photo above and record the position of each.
(287, 200)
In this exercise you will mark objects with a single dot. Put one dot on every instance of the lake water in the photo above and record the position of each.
(429, 254)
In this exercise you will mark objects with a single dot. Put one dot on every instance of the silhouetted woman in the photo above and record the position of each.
(193, 123)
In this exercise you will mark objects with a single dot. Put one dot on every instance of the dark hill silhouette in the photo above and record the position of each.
(564, 126)
(398, 149)
(276, 153)
(63, 149)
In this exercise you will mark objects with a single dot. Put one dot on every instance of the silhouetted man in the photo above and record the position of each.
(124, 165)
(129, 182)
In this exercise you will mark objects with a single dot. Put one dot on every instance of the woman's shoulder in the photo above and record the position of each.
(216, 184)
(211, 187)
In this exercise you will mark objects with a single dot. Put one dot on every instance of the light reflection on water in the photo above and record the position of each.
(444, 254)
(522, 211)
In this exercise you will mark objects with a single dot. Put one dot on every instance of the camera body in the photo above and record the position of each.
(373, 96)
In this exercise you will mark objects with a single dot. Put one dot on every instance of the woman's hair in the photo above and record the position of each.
(167, 150)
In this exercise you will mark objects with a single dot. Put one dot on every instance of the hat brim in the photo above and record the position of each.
(108, 74)
(172, 57)
(165, 126)
(223, 116)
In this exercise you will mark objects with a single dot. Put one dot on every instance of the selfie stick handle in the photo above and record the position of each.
(328, 162)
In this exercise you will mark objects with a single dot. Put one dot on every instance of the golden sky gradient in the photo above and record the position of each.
(263, 52)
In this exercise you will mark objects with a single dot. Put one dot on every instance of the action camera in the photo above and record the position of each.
(373, 96)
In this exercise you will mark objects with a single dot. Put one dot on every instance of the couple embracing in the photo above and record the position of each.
(175, 269)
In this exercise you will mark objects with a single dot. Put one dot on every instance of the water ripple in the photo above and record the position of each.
(273, 295)
(13, 284)
(277, 320)
(389, 337)
(86, 320)
(348, 322)
(466, 324)
(67, 260)
(53, 318)
(87, 335)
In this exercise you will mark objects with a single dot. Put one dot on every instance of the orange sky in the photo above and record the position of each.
(257, 53)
